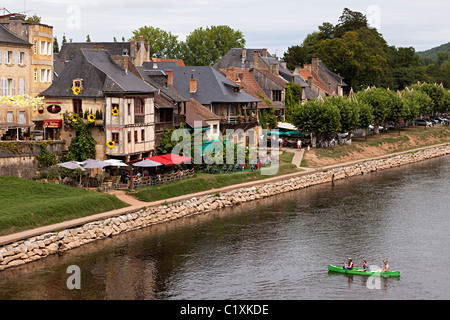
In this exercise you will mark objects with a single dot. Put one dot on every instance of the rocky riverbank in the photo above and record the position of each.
(38, 247)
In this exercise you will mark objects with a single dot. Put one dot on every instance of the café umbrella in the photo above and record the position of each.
(71, 165)
(95, 164)
(147, 163)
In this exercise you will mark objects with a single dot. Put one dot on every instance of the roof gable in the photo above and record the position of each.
(99, 74)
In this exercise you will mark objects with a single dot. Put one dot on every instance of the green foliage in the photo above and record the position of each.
(433, 52)
(162, 44)
(362, 56)
(349, 112)
(268, 119)
(82, 146)
(33, 19)
(322, 118)
(293, 98)
(45, 159)
(205, 47)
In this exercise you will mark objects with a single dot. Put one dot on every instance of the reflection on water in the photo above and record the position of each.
(275, 248)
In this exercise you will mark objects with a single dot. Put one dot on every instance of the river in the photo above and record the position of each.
(274, 248)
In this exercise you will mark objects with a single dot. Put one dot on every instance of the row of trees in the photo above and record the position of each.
(324, 118)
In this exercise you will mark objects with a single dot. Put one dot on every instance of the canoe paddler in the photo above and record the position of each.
(386, 266)
(364, 266)
(349, 265)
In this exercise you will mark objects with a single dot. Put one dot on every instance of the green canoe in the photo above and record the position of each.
(358, 271)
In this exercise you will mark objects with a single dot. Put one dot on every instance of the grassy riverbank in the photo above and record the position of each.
(377, 145)
(27, 204)
(203, 181)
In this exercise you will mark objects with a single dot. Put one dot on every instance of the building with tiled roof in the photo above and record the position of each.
(315, 82)
(123, 103)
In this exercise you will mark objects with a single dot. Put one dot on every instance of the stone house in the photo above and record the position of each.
(93, 83)
(15, 69)
(138, 51)
(41, 54)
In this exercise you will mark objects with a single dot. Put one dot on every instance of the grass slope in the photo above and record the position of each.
(27, 204)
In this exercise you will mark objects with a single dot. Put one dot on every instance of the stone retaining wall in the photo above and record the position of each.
(38, 247)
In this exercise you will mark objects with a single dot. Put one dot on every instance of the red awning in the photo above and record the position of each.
(170, 159)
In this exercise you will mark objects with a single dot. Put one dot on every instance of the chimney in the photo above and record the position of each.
(309, 81)
(315, 64)
(264, 53)
(244, 55)
(192, 85)
(275, 68)
(97, 48)
(169, 77)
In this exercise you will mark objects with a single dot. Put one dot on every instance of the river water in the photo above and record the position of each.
(274, 248)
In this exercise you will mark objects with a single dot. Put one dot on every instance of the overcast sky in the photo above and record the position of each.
(272, 24)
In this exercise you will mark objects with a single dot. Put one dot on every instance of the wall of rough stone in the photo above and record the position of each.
(38, 247)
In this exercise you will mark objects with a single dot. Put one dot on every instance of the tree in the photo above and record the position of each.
(205, 47)
(317, 117)
(293, 98)
(350, 21)
(418, 103)
(365, 116)
(349, 113)
(295, 56)
(375, 98)
(396, 109)
(55, 45)
(33, 19)
(437, 95)
(88, 38)
(162, 44)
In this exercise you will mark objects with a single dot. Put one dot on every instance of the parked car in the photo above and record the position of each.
(371, 127)
(422, 122)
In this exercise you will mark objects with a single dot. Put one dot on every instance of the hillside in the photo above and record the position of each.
(432, 53)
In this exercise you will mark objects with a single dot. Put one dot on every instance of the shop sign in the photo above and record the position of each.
(53, 123)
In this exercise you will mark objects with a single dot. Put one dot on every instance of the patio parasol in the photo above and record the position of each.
(116, 163)
(71, 165)
(147, 163)
(95, 164)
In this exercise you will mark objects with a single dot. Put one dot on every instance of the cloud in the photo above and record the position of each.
(274, 24)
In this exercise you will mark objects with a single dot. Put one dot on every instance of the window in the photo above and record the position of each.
(142, 135)
(139, 106)
(21, 87)
(35, 75)
(77, 107)
(215, 127)
(129, 136)
(43, 75)
(276, 95)
(9, 116)
(43, 47)
(135, 136)
(129, 109)
(49, 75)
(22, 117)
(21, 58)
(115, 137)
(35, 46)
(8, 57)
